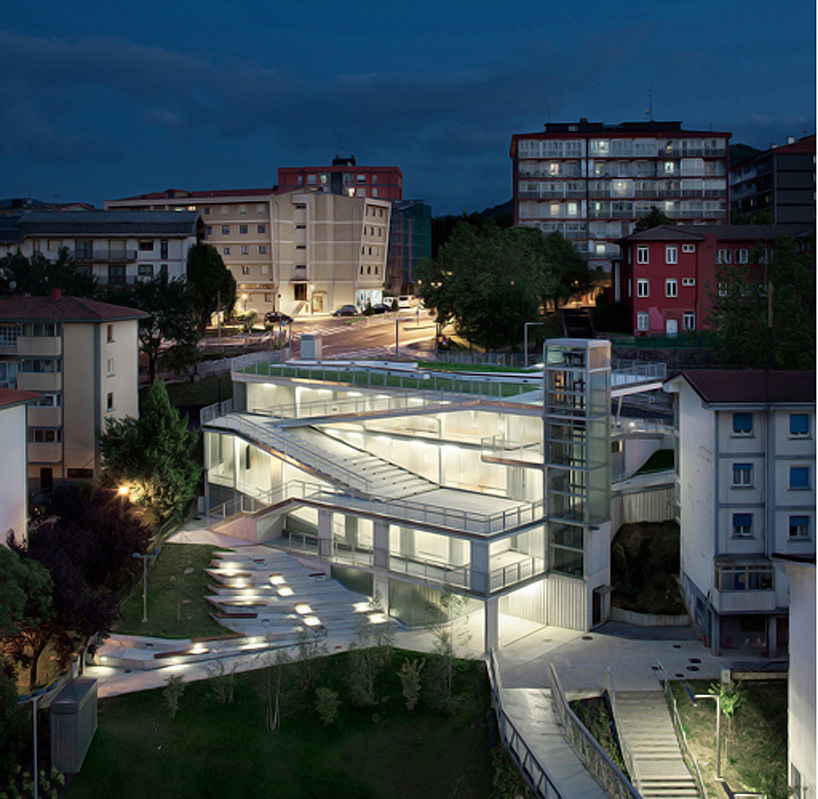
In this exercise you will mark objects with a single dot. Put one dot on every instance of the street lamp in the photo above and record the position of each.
(145, 559)
(717, 699)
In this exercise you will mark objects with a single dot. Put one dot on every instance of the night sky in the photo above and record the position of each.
(108, 99)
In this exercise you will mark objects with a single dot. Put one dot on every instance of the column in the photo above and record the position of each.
(380, 590)
(480, 566)
(380, 543)
(325, 534)
(491, 625)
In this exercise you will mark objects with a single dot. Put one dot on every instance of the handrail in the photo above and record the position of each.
(603, 769)
(531, 768)
(678, 727)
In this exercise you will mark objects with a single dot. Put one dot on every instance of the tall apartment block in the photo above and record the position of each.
(780, 181)
(345, 177)
(410, 239)
(592, 181)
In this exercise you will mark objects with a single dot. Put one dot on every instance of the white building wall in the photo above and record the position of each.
(13, 483)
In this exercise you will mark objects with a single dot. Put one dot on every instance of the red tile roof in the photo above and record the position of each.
(752, 386)
(184, 194)
(64, 309)
(12, 396)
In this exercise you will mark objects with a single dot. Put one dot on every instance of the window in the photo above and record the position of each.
(116, 274)
(299, 292)
(742, 525)
(225, 230)
(799, 526)
(799, 477)
(225, 250)
(742, 474)
(163, 248)
(743, 424)
(688, 248)
(146, 246)
(300, 246)
(44, 435)
(374, 178)
(671, 254)
(744, 578)
(242, 209)
(642, 321)
(643, 287)
(85, 249)
(8, 335)
(243, 229)
(110, 367)
(262, 249)
(724, 257)
(688, 281)
(360, 192)
(743, 256)
(799, 424)
(48, 401)
(245, 249)
(110, 332)
(722, 288)
(208, 230)
(207, 210)
(109, 404)
(300, 227)
(688, 320)
(163, 270)
(671, 287)
(670, 167)
(261, 228)
(642, 255)
(145, 270)
(40, 329)
(245, 270)
(312, 179)
(360, 178)
(374, 192)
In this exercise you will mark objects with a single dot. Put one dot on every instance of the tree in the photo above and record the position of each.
(151, 455)
(25, 593)
(13, 729)
(38, 275)
(212, 285)
(653, 219)
(171, 322)
(764, 313)
(564, 273)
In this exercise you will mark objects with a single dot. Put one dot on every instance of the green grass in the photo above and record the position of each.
(177, 584)
(754, 751)
(213, 750)
(660, 460)
(446, 366)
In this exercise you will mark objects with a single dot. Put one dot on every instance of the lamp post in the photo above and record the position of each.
(717, 699)
(397, 344)
(145, 558)
(525, 341)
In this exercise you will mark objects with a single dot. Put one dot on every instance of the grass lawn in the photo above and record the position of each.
(177, 584)
(445, 366)
(213, 750)
(754, 754)
(597, 718)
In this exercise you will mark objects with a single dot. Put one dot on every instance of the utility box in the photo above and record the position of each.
(73, 724)
(310, 347)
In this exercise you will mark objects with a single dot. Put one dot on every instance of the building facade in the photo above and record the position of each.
(80, 357)
(116, 247)
(745, 460)
(410, 239)
(779, 183)
(14, 466)
(668, 276)
(344, 177)
(592, 182)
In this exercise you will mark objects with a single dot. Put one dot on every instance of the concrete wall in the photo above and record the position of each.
(13, 486)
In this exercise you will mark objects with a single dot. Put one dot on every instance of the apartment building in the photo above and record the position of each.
(80, 358)
(592, 181)
(410, 483)
(114, 246)
(745, 461)
(668, 275)
(13, 468)
(344, 177)
(779, 182)
(410, 240)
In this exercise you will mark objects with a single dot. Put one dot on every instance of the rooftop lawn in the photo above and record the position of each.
(215, 750)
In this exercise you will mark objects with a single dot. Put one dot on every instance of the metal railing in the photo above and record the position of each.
(500, 447)
(687, 753)
(649, 370)
(532, 769)
(624, 746)
(516, 572)
(214, 411)
(603, 769)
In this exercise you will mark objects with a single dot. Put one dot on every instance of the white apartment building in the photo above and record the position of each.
(13, 468)
(81, 359)
(745, 490)
(411, 482)
(114, 246)
(301, 252)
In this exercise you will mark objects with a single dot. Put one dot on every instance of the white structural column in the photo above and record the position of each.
(380, 590)
(380, 541)
(325, 533)
(480, 566)
(491, 631)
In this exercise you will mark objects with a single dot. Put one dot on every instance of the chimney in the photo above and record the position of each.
(56, 295)
(790, 139)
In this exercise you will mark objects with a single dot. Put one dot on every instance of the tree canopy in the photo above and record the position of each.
(38, 275)
(151, 455)
(764, 313)
(655, 218)
(212, 285)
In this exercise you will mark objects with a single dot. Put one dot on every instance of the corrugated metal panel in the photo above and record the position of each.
(526, 603)
(648, 506)
(566, 602)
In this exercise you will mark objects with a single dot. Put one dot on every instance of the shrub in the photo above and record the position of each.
(173, 693)
(327, 705)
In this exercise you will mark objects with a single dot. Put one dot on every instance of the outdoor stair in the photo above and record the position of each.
(577, 323)
(650, 746)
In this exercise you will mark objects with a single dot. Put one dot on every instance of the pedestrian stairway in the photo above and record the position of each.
(650, 747)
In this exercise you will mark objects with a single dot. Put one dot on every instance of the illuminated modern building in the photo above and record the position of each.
(410, 239)
(410, 482)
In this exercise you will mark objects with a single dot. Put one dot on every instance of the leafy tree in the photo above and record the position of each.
(13, 729)
(564, 273)
(170, 323)
(764, 313)
(410, 681)
(327, 705)
(38, 275)
(653, 219)
(212, 285)
(172, 694)
(151, 455)
(25, 593)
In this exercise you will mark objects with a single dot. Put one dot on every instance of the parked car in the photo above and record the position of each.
(405, 301)
(345, 310)
(381, 307)
(277, 317)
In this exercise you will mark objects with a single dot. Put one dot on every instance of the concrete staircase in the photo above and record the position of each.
(650, 747)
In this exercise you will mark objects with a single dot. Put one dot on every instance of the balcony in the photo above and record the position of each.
(39, 345)
(44, 417)
(103, 255)
(744, 585)
(39, 381)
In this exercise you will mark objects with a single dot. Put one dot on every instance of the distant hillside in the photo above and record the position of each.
(443, 226)
(499, 213)
(742, 152)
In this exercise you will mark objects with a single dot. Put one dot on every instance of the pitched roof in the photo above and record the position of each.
(64, 309)
(721, 232)
(126, 223)
(12, 396)
(667, 233)
(751, 386)
(184, 194)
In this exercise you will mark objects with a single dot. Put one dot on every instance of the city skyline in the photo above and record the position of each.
(103, 103)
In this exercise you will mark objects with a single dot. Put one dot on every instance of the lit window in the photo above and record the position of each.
(671, 254)
(643, 287)
(742, 474)
(799, 526)
(743, 424)
(671, 287)
(642, 255)
(799, 477)
(554, 209)
(742, 525)
(799, 424)
(670, 167)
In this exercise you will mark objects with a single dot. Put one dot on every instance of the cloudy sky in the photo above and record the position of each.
(107, 99)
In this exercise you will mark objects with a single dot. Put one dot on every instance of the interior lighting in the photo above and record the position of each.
(285, 591)
(312, 621)
(303, 608)
(276, 579)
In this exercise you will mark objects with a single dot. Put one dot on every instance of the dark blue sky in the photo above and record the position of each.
(106, 99)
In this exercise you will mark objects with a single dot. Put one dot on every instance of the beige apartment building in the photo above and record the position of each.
(301, 252)
(81, 359)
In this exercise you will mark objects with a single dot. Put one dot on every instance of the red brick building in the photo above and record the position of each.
(345, 177)
(667, 275)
